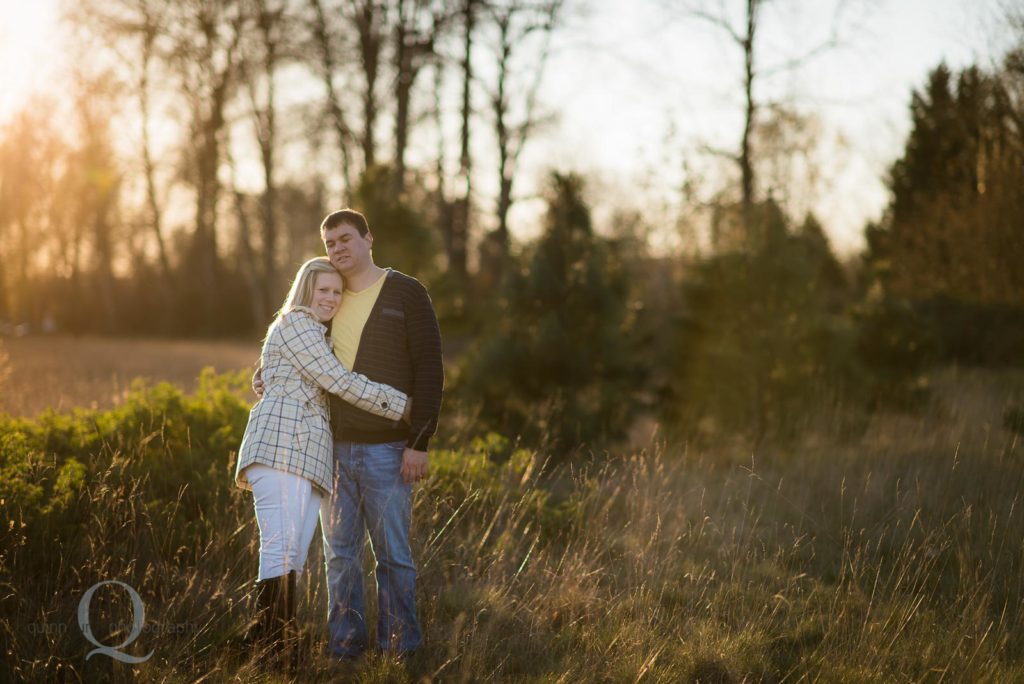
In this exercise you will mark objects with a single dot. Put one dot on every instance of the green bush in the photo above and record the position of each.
(178, 445)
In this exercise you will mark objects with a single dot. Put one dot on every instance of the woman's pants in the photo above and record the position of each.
(287, 509)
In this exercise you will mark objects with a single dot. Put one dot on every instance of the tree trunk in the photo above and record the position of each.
(205, 240)
(750, 111)
(367, 24)
(411, 51)
(457, 255)
(444, 205)
(210, 117)
(405, 75)
(266, 126)
(257, 302)
(104, 257)
(504, 151)
(334, 109)
(515, 21)
(149, 170)
(21, 311)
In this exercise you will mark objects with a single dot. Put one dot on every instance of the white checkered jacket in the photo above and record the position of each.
(289, 428)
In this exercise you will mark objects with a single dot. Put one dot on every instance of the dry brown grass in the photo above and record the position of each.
(94, 372)
(5, 365)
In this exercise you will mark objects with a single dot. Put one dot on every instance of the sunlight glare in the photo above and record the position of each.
(28, 50)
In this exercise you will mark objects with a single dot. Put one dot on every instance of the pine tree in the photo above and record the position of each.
(948, 252)
(557, 363)
(955, 225)
(766, 337)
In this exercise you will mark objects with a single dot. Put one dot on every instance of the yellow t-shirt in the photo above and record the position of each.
(349, 321)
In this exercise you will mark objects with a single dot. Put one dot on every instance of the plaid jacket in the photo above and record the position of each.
(289, 428)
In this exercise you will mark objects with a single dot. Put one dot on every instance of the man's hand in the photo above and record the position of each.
(414, 465)
(407, 416)
(257, 382)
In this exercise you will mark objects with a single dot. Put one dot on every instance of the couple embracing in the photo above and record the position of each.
(350, 391)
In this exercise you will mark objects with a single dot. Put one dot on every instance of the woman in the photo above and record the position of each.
(286, 457)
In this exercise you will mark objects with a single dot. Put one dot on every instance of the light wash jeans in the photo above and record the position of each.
(286, 511)
(369, 494)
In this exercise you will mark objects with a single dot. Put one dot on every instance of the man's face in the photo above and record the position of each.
(347, 249)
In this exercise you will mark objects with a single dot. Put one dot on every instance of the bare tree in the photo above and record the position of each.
(136, 27)
(248, 261)
(327, 63)
(444, 207)
(30, 154)
(457, 227)
(150, 26)
(745, 38)
(273, 41)
(516, 21)
(207, 38)
(97, 180)
(418, 26)
(370, 20)
(437, 112)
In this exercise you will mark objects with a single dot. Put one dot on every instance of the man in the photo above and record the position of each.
(387, 330)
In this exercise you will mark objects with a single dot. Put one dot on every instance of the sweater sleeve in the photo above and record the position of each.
(424, 338)
(304, 345)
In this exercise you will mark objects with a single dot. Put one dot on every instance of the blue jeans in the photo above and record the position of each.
(369, 494)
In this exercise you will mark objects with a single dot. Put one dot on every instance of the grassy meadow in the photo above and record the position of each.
(62, 372)
(892, 554)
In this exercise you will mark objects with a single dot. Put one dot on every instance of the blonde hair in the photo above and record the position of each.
(301, 292)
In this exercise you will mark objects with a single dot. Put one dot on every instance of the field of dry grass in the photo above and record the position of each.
(63, 372)
(896, 554)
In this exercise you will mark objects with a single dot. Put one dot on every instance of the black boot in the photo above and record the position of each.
(289, 648)
(264, 636)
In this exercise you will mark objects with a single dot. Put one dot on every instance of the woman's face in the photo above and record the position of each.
(327, 289)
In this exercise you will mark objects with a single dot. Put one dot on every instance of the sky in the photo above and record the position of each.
(650, 70)
(638, 88)
(27, 54)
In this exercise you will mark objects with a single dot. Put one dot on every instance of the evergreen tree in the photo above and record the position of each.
(557, 363)
(949, 250)
(766, 337)
(955, 225)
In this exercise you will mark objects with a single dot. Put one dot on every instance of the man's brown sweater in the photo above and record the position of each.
(400, 346)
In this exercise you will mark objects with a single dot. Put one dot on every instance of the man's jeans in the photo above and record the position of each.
(369, 494)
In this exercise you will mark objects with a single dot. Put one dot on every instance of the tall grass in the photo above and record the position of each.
(897, 556)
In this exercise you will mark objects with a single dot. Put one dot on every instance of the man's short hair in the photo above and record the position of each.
(345, 217)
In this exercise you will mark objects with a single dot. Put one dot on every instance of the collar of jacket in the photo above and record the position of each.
(305, 310)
